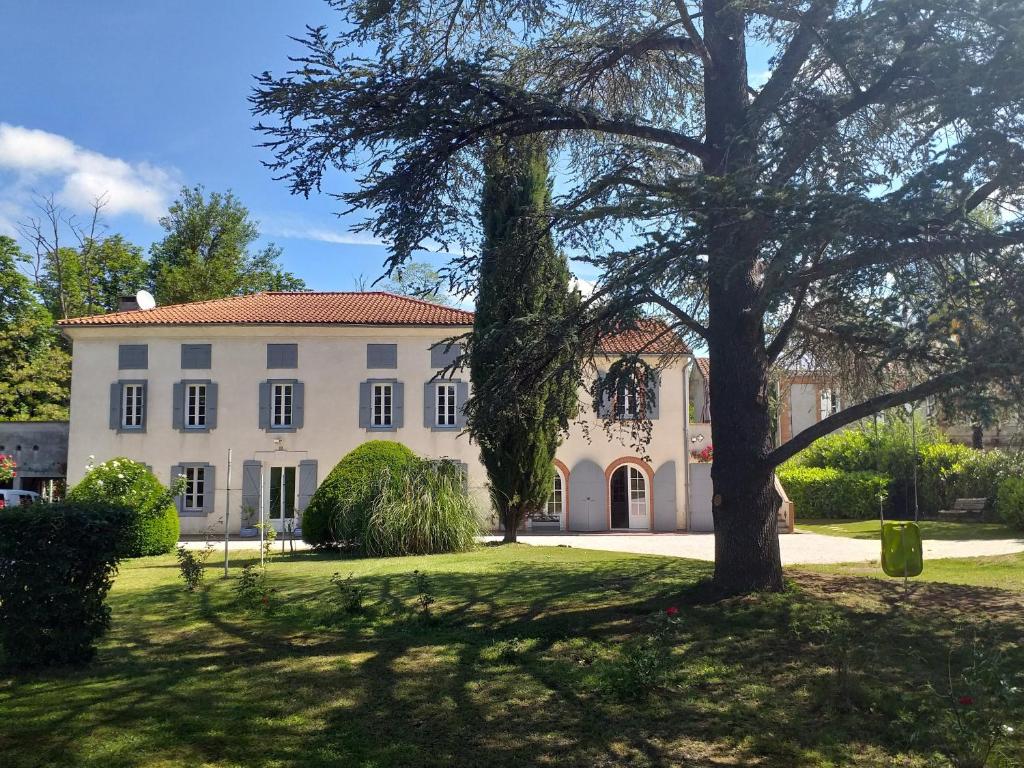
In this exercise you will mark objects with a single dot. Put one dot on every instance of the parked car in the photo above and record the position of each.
(10, 498)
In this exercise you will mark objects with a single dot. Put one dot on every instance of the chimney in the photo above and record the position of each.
(127, 304)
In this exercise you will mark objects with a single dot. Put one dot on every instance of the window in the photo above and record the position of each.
(281, 405)
(132, 405)
(829, 403)
(444, 405)
(195, 489)
(556, 501)
(195, 406)
(625, 402)
(382, 405)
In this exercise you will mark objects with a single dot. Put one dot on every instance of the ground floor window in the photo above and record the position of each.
(195, 489)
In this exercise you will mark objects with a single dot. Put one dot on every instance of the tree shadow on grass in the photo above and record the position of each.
(194, 679)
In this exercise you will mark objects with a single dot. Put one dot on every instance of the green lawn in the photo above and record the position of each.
(521, 663)
(1005, 572)
(930, 529)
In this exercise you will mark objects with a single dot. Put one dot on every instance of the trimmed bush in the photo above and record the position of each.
(818, 492)
(154, 526)
(338, 511)
(1010, 502)
(422, 509)
(57, 562)
(936, 471)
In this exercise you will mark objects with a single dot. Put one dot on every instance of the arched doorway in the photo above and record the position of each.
(629, 495)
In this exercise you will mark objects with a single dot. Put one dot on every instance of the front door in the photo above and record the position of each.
(628, 493)
(281, 500)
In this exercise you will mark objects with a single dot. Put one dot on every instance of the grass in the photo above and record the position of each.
(1004, 572)
(529, 656)
(940, 530)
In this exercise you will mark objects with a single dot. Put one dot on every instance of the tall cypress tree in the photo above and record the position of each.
(524, 294)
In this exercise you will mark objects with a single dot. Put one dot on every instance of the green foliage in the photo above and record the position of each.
(640, 666)
(35, 370)
(338, 512)
(421, 509)
(419, 280)
(205, 252)
(57, 563)
(937, 468)
(252, 590)
(1010, 501)
(351, 593)
(523, 296)
(91, 278)
(979, 474)
(154, 525)
(192, 565)
(425, 597)
(819, 492)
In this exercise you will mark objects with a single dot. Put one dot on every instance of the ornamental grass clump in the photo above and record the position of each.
(421, 509)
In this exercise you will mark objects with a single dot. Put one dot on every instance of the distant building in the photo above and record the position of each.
(40, 449)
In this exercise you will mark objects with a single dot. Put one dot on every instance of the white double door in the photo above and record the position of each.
(280, 497)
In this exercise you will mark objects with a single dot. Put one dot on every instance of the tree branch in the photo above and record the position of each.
(691, 29)
(940, 383)
(684, 318)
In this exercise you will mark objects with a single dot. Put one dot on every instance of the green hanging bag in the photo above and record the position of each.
(902, 553)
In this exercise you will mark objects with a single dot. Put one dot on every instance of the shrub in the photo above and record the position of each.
(57, 562)
(252, 590)
(154, 524)
(935, 470)
(351, 593)
(980, 473)
(1010, 502)
(337, 513)
(822, 492)
(192, 565)
(421, 509)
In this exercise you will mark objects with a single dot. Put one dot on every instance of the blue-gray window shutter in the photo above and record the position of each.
(364, 404)
(178, 406)
(196, 356)
(398, 405)
(251, 486)
(381, 355)
(264, 405)
(461, 396)
(605, 407)
(307, 483)
(145, 404)
(653, 396)
(211, 405)
(209, 489)
(442, 355)
(429, 405)
(133, 356)
(282, 355)
(115, 405)
(298, 404)
(178, 500)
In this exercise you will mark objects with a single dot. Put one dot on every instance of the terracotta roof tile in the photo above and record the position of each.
(652, 337)
(704, 364)
(351, 308)
(298, 308)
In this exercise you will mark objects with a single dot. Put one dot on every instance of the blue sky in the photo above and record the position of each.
(138, 98)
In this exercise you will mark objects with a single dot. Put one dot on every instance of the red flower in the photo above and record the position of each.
(966, 700)
(673, 611)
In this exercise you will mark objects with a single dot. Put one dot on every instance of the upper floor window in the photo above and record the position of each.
(383, 399)
(281, 405)
(445, 405)
(194, 499)
(132, 406)
(829, 403)
(625, 402)
(282, 355)
(195, 405)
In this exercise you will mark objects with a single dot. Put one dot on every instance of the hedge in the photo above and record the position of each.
(57, 563)
(154, 526)
(340, 507)
(822, 492)
(1010, 502)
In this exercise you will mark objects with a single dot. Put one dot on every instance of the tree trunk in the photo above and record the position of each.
(511, 519)
(977, 437)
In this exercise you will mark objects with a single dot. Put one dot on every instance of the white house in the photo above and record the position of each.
(290, 382)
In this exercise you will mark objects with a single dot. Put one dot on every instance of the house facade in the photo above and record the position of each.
(291, 382)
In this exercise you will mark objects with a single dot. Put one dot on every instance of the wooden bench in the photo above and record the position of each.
(964, 509)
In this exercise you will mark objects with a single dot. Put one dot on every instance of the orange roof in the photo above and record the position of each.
(704, 365)
(296, 308)
(651, 337)
(352, 308)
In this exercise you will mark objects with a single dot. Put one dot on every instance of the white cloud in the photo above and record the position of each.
(42, 159)
(320, 234)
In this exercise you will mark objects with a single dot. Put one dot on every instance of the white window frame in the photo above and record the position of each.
(133, 406)
(194, 497)
(382, 404)
(282, 404)
(828, 404)
(445, 405)
(196, 406)
(625, 405)
(556, 501)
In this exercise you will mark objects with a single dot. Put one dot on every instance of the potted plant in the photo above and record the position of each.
(8, 468)
(249, 529)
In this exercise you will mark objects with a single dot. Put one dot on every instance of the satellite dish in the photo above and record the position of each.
(145, 300)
